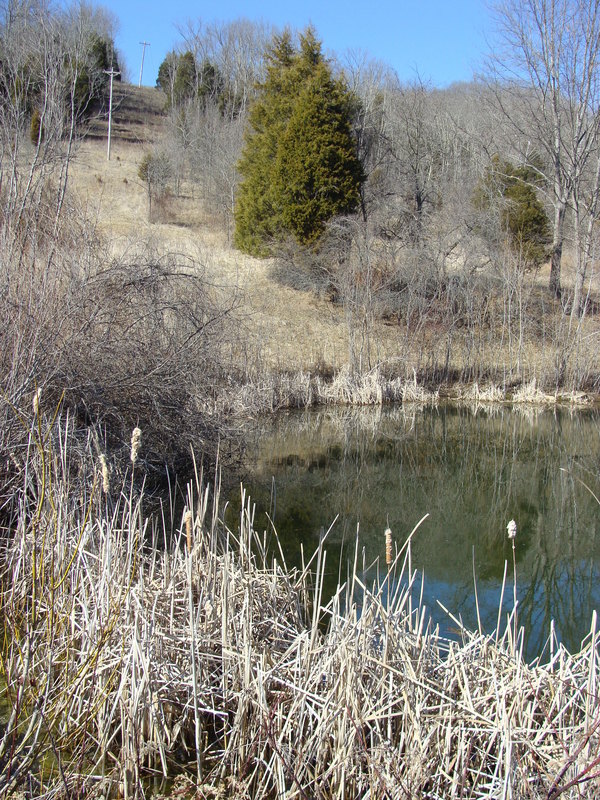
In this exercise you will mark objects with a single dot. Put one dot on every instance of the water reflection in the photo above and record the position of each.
(472, 473)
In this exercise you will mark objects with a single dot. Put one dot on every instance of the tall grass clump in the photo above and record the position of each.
(140, 648)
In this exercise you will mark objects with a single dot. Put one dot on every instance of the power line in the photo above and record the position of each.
(144, 46)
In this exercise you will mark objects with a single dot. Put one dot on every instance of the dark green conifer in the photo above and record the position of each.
(522, 214)
(317, 174)
(256, 211)
(525, 217)
(299, 165)
(166, 74)
(185, 84)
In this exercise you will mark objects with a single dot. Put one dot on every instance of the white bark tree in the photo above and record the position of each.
(546, 69)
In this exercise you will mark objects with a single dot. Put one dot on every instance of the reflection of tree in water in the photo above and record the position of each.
(471, 473)
(563, 568)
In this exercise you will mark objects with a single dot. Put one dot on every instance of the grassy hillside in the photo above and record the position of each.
(288, 329)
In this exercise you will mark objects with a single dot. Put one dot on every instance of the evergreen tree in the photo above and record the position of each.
(299, 165)
(185, 85)
(522, 214)
(256, 211)
(317, 174)
(92, 81)
(182, 80)
(525, 217)
(166, 74)
(210, 83)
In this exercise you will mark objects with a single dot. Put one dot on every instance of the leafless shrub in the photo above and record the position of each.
(138, 339)
(156, 171)
(306, 269)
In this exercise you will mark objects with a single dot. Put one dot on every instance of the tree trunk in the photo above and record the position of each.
(585, 248)
(577, 308)
(557, 246)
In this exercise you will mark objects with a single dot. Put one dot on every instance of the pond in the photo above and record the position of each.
(471, 471)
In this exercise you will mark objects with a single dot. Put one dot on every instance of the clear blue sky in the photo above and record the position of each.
(441, 39)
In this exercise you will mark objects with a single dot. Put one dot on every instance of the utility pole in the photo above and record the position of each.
(112, 73)
(144, 46)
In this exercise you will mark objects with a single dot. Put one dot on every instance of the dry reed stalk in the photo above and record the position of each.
(189, 535)
(389, 555)
(105, 474)
(512, 535)
(136, 443)
(483, 395)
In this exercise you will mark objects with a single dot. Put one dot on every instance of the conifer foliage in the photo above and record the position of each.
(299, 165)
(522, 214)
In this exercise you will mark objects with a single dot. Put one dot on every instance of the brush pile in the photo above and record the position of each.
(134, 649)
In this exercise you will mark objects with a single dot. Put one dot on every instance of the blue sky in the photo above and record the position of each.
(443, 40)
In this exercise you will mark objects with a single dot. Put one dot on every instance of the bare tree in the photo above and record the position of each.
(545, 68)
(236, 50)
(586, 196)
(373, 84)
(46, 81)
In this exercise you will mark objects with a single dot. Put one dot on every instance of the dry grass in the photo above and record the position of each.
(284, 328)
(483, 394)
(122, 661)
(270, 391)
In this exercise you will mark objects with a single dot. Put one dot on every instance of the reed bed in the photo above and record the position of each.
(136, 649)
(483, 394)
(276, 391)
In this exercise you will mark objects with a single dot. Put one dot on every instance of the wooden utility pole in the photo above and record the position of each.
(112, 73)
(144, 46)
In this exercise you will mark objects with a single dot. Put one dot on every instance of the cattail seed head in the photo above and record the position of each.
(388, 546)
(136, 443)
(105, 474)
(189, 530)
(512, 529)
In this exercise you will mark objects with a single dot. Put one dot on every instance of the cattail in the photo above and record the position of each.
(105, 474)
(36, 401)
(188, 530)
(512, 529)
(136, 443)
(388, 546)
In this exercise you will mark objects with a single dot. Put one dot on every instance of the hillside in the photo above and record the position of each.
(282, 327)
(138, 115)
(287, 329)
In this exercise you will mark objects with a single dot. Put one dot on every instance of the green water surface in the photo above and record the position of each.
(471, 470)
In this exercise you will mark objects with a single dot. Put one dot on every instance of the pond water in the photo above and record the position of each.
(471, 471)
